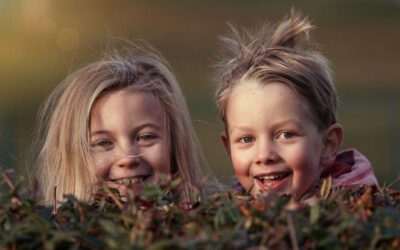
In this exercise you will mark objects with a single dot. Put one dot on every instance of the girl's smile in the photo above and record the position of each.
(129, 145)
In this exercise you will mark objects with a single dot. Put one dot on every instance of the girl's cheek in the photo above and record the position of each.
(101, 167)
(166, 167)
(159, 157)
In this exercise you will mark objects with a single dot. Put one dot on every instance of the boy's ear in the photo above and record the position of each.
(333, 139)
(225, 141)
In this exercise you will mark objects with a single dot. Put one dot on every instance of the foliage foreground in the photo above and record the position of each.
(349, 218)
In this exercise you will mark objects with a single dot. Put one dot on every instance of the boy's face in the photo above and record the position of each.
(272, 140)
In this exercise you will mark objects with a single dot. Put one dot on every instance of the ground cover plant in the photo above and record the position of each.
(347, 218)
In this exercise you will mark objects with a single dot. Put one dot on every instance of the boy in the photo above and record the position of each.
(277, 100)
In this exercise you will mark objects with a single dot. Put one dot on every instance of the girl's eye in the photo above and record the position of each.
(146, 137)
(247, 139)
(102, 144)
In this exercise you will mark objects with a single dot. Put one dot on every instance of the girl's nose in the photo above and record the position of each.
(266, 153)
(128, 158)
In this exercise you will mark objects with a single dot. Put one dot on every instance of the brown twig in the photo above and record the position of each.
(55, 200)
(326, 187)
(292, 232)
(7, 180)
(112, 196)
(394, 182)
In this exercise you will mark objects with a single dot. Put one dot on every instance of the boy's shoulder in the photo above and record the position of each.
(350, 168)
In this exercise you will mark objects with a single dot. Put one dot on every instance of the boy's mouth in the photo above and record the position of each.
(274, 181)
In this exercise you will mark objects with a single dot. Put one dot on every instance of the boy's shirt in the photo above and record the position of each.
(350, 168)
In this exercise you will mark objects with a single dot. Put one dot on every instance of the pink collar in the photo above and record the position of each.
(350, 168)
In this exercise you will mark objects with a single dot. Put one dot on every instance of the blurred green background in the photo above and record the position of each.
(41, 41)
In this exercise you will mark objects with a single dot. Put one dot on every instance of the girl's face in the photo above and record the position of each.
(272, 140)
(129, 146)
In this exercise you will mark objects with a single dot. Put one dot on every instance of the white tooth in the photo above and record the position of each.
(130, 181)
(271, 177)
(134, 180)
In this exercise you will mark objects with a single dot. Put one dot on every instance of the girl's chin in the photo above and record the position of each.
(123, 189)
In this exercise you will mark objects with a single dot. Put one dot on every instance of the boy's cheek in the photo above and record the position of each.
(239, 165)
(304, 180)
(242, 170)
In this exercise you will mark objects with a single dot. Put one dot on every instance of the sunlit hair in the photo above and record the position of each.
(64, 159)
(279, 54)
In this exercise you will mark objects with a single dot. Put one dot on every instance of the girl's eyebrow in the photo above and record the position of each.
(149, 124)
(138, 128)
(100, 132)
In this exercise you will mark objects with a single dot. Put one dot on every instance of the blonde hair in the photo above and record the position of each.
(64, 159)
(283, 54)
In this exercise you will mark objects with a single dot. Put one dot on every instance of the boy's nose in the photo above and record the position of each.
(266, 154)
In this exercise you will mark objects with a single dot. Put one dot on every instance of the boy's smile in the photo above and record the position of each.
(272, 139)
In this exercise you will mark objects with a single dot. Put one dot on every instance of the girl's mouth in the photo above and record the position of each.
(273, 182)
(131, 180)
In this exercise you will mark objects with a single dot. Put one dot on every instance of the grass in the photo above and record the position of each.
(357, 217)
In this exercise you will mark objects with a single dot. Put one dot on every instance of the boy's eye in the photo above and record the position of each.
(286, 134)
(247, 139)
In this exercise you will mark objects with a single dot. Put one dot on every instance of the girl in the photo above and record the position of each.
(121, 121)
(278, 103)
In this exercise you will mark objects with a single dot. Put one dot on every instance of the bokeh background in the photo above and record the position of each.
(41, 41)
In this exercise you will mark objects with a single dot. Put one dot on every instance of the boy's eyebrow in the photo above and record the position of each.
(142, 126)
(282, 122)
(276, 124)
(238, 127)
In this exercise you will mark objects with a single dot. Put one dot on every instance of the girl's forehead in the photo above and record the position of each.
(127, 97)
(131, 105)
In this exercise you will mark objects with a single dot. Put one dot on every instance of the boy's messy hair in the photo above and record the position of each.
(64, 159)
(282, 54)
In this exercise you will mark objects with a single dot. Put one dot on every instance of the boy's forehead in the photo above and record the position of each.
(255, 85)
(248, 83)
(248, 88)
(243, 89)
(271, 101)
